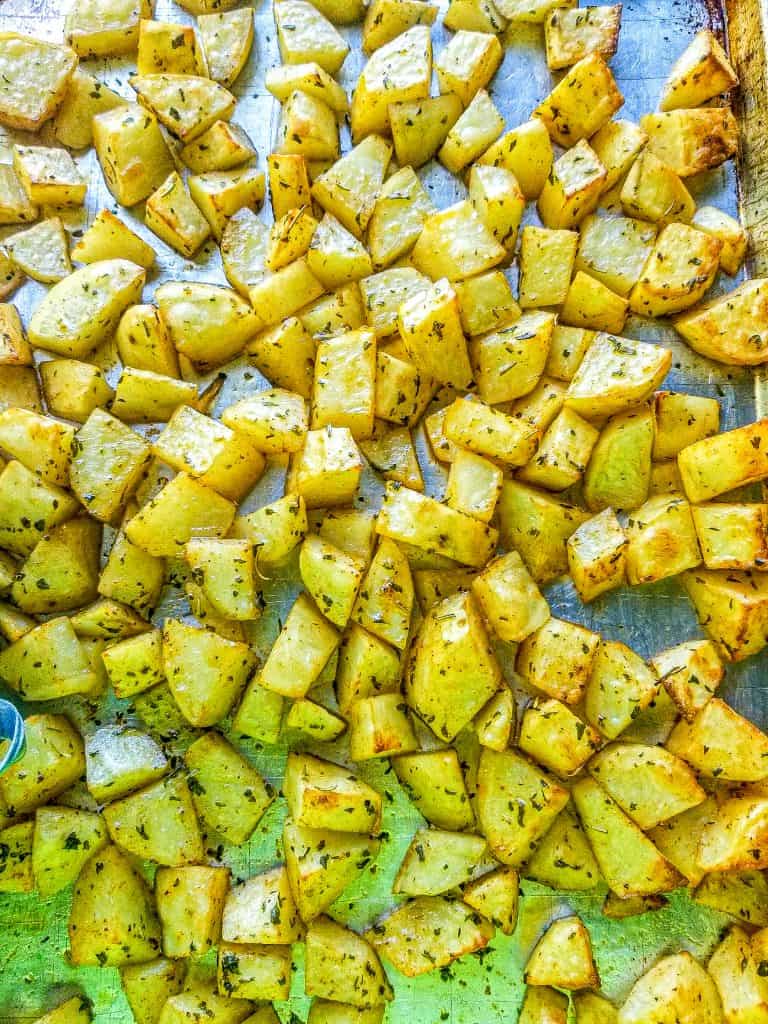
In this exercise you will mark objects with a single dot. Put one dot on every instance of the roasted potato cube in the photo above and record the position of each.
(557, 659)
(275, 297)
(720, 744)
(526, 151)
(546, 265)
(438, 861)
(309, 78)
(563, 957)
(420, 127)
(41, 252)
(173, 216)
(617, 145)
(620, 687)
(331, 577)
(109, 238)
(147, 986)
(597, 555)
(227, 39)
(614, 250)
(486, 303)
(76, 1010)
(35, 76)
(145, 397)
(40, 443)
(165, 46)
(430, 326)
(15, 207)
(615, 374)
(261, 910)
(385, 601)
(737, 974)
(682, 419)
(274, 420)
(64, 839)
(674, 986)
(121, 760)
(52, 761)
(132, 152)
(288, 183)
(132, 576)
(348, 189)
(495, 896)
(135, 664)
(345, 381)
(25, 503)
(653, 191)
(581, 103)
(690, 673)
(386, 19)
(468, 63)
(730, 328)
(572, 189)
(304, 34)
(496, 195)
(679, 270)
(300, 652)
(398, 72)
(202, 999)
(327, 469)
(455, 243)
(474, 485)
(717, 464)
(564, 859)
(48, 661)
(523, 346)
(531, 12)
(224, 571)
(220, 148)
(738, 893)
(474, 16)
(495, 722)
(700, 73)
(385, 292)
(572, 34)
(563, 453)
(343, 966)
(187, 105)
(618, 474)
(190, 902)
(275, 529)
(220, 194)
(94, 29)
(540, 406)
(692, 141)
(428, 933)
(183, 509)
(84, 98)
(736, 839)
(144, 342)
(556, 738)
(67, 560)
(478, 126)
(323, 795)
(662, 540)
(486, 431)
(286, 355)
(254, 971)
(728, 230)
(732, 536)
(108, 462)
(112, 921)
(157, 823)
(335, 256)
(398, 217)
(380, 727)
(538, 525)
(434, 781)
(367, 666)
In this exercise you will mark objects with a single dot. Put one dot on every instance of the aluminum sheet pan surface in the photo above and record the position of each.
(34, 974)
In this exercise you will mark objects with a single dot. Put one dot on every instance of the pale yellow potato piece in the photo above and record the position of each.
(34, 77)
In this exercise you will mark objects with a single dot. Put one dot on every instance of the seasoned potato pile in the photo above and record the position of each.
(380, 335)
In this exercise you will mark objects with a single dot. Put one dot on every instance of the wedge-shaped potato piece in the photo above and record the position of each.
(134, 157)
(108, 462)
(202, 1000)
(409, 517)
(144, 342)
(516, 804)
(304, 34)
(728, 230)
(435, 783)
(173, 216)
(739, 978)
(563, 453)
(49, 175)
(420, 127)
(343, 966)
(543, 1004)
(556, 738)
(121, 760)
(207, 323)
(48, 662)
(224, 570)
(430, 327)
(619, 471)
(260, 714)
(52, 761)
(571, 35)
(428, 933)
(732, 608)
(41, 252)
(157, 823)
(187, 105)
(97, 30)
(35, 75)
(563, 957)
(572, 189)
(112, 921)
(332, 578)
(648, 783)
(398, 72)
(730, 328)
(275, 529)
(228, 793)
(452, 643)
(620, 687)
(581, 103)
(385, 601)
(321, 864)
(132, 576)
(653, 191)
(62, 572)
(310, 78)
(510, 599)
(109, 238)
(474, 485)
(496, 721)
(147, 986)
(108, 620)
(680, 269)
(662, 540)
(468, 63)
(142, 396)
(677, 988)
(526, 151)
(14, 347)
(367, 666)
(323, 795)
(489, 432)
(398, 217)
(300, 652)
(700, 73)
(40, 443)
(280, 295)
(83, 310)
(615, 374)
(308, 128)
(64, 839)
(736, 839)
(335, 256)
(165, 46)
(690, 673)
(614, 250)
(227, 38)
(345, 381)
(563, 859)
(678, 838)
(244, 250)
(738, 893)
(546, 265)
(220, 194)
(629, 861)
(455, 243)
(692, 141)
(386, 19)
(348, 189)
(15, 208)
(190, 902)
(469, 137)
(495, 896)
(255, 972)
(538, 525)
(597, 555)
(205, 672)
(220, 148)
(720, 744)
(135, 664)
(25, 503)
(74, 1011)
(591, 304)
(392, 453)
(522, 346)
(438, 861)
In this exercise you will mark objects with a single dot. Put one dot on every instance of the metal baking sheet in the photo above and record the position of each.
(34, 973)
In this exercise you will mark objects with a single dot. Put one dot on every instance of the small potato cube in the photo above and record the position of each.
(720, 744)
(25, 502)
(556, 738)
(386, 597)
(85, 97)
(437, 861)
(730, 328)
(679, 270)
(573, 34)
(700, 73)
(621, 685)
(183, 508)
(430, 326)
(304, 34)
(49, 176)
(14, 347)
(52, 761)
(721, 463)
(468, 63)
(109, 460)
(474, 485)
(135, 664)
(301, 651)
(509, 598)
(568, 348)
(220, 194)
(96, 29)
(187, 105)
(653, 191)
(616, 374)
(495, 722)
(597, 555)
(455, 243)
(541, 405)
(386, 19)
(289, 237)
(733, 236)
(385, 292)
(522, 347)
(420, 127)
(261, 909)
(288, 183)
(224, 570)
(343, 966)
(486, 303)
(563, 453)
(227, 38)
(173, 216)
(15, 207)
(538, 524)
(308, 127)
(348, 189)
(35, 76)
(335, 256)
(614, 250)
(165, 46)
(526, 151)
(321, 794)
(367, 666)
(132, 152)
(557, 659)
(40, 443)
(581, 103)
(310, 78)
(563, 957)
(220, 148)
(274, 529)
(591, 304)
(274, 420)
(737, 970)
(479, 126)
(41, 252)
(402, 393)
(332, 578)
(327, 469)
(190, 902)
(619, 472)
(690, 673)
(474, 16)
(487, 431)
(274, 297)
(398, 216)
(692, 141)
(572, 190)
(145, 397)
(109, 238)
(682, 419)
(732, 607)
(249, 971)
(732, 536)
(546, 265)
(617, 145)
(398, 72)
(435, 783)
(496, 196)
(379, 726)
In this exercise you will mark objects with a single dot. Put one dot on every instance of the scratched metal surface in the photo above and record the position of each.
(34, 974)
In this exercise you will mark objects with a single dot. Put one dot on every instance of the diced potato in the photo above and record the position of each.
(224, 571)
(304, 34)
(41, 252)
(343, 966)
(700, 73)
(48, 661)
(135, 664)
(495, 722)
(95, 30)
(109, 238)
(398, 216)
(692, 141)
(112, 921)
(143, 341)
(106, 619)
(556, 738)
(564, 859)
(335, 256)
(437, 861)
(397, 72)
(477, 127)
(736, 839)
(380, 727)
(173, 216)
(327, 469)
(617, 145)
(331, 577)
(538, 525)
(74, 1011)
(300, 652)
(202, 999)
(309, 78)
(183, 509)
(165, 46)
(220, 194)
(147, 986)
(678, 987)
(572, 34)
(290, 237)
(428, 933)
(187, 105)
(468, 63)
(614, 250)
(120, 760)
(323, 795)
(29, 507)
(283, 293)
(662, 540)
(132, 576)
(340, 311)
(386, 19)
(40, 443)
(680, 269)
(474, 16)
(543, 1003)
(52, 761)
(730, 328)
(62, 571)
(367, 666)
(738, 893)
(157, 823)
(732, 536)
(85, 97)
(728, 230)
(220, 148)
(83, 310)
(385, 601)
(546, 265)
(714, 465)
(572, 189)
(430, 327)
(620, 687)
(486, 303)
(488, 432)
(682, 419)
(35, 75)
(132, 152)
(434, 781)
(142, 396)
(385, 292)
(344, 387)
(618, 474)
(254, 971)
(348, 189)
(629, 861)
(719, 743)
(474, 485)
(526, 151)
(597, 555)
(523, 346)
(64, 839)
(274, 529)
(739, 978)
(615, 374)
(510, 599)
(563, 957)
(563, 453)
(15, 206)
(190, 901)
(325, 1011)
(690, 673)
(10, 275)
(581, 103)
(420, 127)
(392, 453)
(108, 462)
(653, 191)
(227, 38)
(497, 197)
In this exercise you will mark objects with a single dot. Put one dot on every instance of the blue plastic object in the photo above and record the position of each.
(11, 729)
